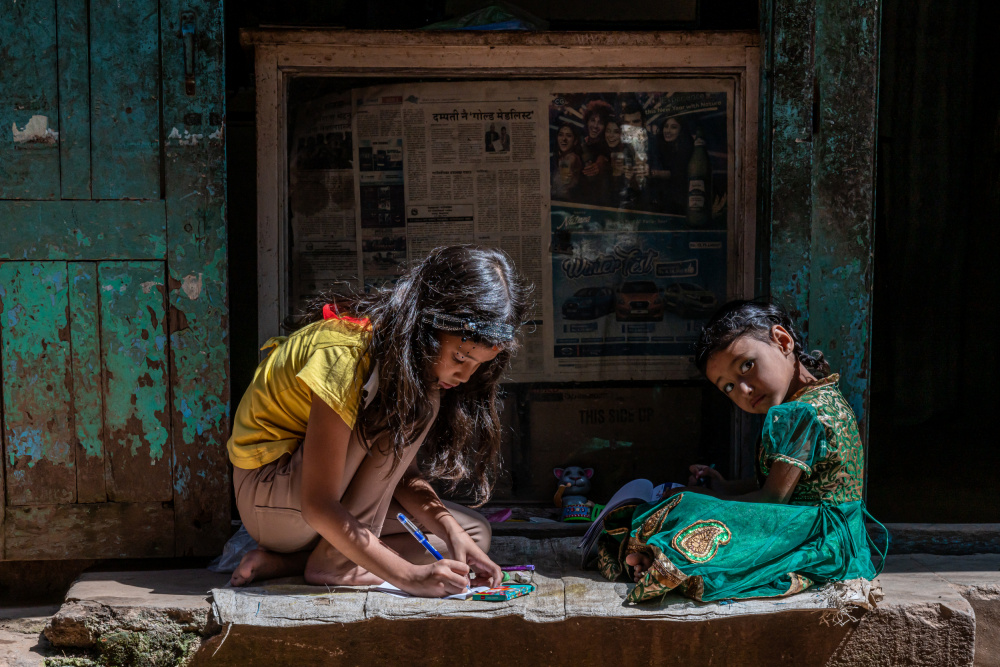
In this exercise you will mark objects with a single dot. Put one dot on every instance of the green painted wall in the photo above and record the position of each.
(818, 181)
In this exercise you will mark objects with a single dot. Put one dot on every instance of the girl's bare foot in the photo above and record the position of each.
(264, 564)
(640, 563)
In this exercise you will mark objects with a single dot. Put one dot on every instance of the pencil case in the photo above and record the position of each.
(517, 577)
(503, 593)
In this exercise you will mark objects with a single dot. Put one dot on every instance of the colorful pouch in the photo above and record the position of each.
(503, 593)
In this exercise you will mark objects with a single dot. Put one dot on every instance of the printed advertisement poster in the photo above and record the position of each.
(639, 185)
(631, 299)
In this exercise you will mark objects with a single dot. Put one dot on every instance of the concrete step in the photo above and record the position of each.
(928, 616)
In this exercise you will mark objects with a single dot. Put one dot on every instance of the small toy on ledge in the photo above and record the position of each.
(574, 484)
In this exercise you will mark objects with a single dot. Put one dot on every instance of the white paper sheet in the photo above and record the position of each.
(386, 587)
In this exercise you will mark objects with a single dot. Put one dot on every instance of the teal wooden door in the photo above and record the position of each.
(113, 319)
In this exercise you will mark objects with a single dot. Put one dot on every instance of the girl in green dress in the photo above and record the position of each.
(801, 522)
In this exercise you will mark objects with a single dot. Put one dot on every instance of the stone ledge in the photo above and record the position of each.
(928, 614)
(923, 619)
(563, 592)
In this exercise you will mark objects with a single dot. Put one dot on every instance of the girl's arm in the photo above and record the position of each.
(721, 486)
(324, 459)
(418, 497)
(778, 488)
(736, 487)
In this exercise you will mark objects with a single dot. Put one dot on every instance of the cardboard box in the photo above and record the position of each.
(622, 433)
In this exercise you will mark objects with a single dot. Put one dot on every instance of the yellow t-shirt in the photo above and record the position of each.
(321, 358)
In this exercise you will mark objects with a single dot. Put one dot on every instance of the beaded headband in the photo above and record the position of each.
(498, 331)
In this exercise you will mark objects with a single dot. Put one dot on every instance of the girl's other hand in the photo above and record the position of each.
(464, 549)
(444, 577)
(699, 472)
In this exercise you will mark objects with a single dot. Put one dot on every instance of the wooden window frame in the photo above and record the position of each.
(281, 54)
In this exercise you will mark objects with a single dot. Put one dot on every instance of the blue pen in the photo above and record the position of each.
(413, 530)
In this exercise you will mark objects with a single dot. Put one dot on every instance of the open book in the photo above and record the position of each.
(638, 490)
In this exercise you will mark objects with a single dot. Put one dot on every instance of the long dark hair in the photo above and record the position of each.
(461, 281)
(752, 318)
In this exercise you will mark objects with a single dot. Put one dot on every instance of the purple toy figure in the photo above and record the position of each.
(574, 484)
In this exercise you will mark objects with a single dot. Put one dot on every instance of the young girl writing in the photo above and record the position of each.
(325, 440)
(802, 522)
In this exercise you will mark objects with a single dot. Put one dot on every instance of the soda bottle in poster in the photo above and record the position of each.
(699, 199)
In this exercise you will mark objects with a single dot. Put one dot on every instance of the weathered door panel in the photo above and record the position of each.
(29, 101)
(134, 353)
(194, 173)
(74, 99)
(84, 350)
(129, 352)
(88, 392)
(83, 230)
(37, 386)
(125, 99)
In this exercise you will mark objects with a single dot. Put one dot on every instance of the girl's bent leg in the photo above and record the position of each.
(268, 499)
(367, 496)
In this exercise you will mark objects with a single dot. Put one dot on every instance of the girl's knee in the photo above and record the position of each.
(479, 529)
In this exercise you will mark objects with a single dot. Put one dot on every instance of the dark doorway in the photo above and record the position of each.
(936, 372)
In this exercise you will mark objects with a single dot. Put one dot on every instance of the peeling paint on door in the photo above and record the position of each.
(36, 131)
(192, 286)
(186, 139)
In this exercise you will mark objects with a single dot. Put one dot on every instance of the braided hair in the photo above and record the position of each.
(752, 318)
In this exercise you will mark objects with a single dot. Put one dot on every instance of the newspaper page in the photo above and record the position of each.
(611, 197)
(322, 215)
(450, 163)
(640, 176)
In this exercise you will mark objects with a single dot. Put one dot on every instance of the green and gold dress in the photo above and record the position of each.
(712, 549)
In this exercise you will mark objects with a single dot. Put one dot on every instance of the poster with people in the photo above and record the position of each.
(639, 186)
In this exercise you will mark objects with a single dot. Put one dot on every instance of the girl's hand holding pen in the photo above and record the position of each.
(466, 554)
(440, 578)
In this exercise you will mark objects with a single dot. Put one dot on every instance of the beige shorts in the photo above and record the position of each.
(269, 499)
